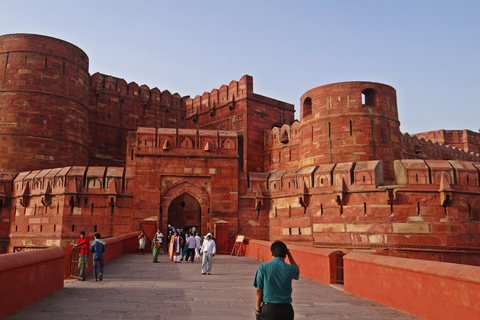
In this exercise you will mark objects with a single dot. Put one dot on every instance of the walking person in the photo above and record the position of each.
(177, 247)
(84, 243)
(273, 285)
(198, 246)
(98, 248)
(208, 250)
(142, 239)
(185, 248)
(160, 239)
(155, 248)
(191, 244)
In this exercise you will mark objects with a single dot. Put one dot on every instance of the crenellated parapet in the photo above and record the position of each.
(349, 203)
(117, 107)
(224, 97)
(112, 86)
(461, 139)
(415, 147)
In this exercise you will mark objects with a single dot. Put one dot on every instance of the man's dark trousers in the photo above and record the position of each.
(276, 311)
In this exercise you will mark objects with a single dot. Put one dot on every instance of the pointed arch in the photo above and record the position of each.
(199, 193)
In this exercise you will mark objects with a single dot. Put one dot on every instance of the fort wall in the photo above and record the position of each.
(116, 107)
(434, 204)
(460, 139)
(50, 207)
(237, 108)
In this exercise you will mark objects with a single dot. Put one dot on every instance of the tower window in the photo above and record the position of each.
(307, 107)
(369, 98)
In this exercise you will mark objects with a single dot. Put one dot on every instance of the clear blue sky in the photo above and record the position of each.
(428, 50)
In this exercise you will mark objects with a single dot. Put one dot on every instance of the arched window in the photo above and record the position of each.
(307, 107)
(369, 98)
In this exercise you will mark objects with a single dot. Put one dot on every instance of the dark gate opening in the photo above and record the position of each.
(184, 213)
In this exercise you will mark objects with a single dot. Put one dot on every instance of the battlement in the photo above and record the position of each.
(67, 180)
(224, 96)
(117, 86)
(341, 176)
(421, 148)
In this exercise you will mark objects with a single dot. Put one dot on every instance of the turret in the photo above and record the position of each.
(43, 104)
(350, 122)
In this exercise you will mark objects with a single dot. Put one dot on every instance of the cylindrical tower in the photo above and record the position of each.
(43, 103)
(350, 122)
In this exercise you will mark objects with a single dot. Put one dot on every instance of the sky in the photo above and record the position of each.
(428, 50)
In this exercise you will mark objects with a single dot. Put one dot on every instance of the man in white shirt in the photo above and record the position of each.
(208, 250)
(198, 246)
(191, 244)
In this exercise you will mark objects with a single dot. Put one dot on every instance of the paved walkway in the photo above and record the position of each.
(136, 288)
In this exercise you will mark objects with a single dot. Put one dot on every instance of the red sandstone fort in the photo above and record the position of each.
(95, 153)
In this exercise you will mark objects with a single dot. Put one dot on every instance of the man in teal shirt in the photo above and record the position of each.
(273, 283)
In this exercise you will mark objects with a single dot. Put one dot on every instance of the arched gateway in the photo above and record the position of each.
(184, 212)
(185, 205)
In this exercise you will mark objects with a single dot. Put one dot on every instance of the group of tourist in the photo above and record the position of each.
(272, 282)
(192, 247)
(97, 248)
(188, 247)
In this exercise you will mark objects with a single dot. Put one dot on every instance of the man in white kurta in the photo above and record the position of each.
(198, 246)
(208, 251)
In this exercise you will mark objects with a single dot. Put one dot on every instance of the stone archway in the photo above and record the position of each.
(172, 198)
(184, 212)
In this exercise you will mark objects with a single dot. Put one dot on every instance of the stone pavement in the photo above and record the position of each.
(136, 288)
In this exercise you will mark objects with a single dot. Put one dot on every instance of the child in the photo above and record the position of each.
(98, 248)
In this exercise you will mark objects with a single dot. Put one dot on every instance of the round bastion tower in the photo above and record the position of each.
(43, 103)
(351, 122)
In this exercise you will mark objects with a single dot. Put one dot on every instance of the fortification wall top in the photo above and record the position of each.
(420, 148)
(235, 91)
(119, 87)
(68, 180)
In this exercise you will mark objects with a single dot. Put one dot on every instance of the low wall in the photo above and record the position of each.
(427, 289)
(314, 263)
(26, 277)
(114, 247)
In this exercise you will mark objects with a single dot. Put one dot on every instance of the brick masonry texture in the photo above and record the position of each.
(93, 152)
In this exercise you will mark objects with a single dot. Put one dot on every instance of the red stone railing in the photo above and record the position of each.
(427, 289)
(314, 263)
(26, 277)
(114, 247)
